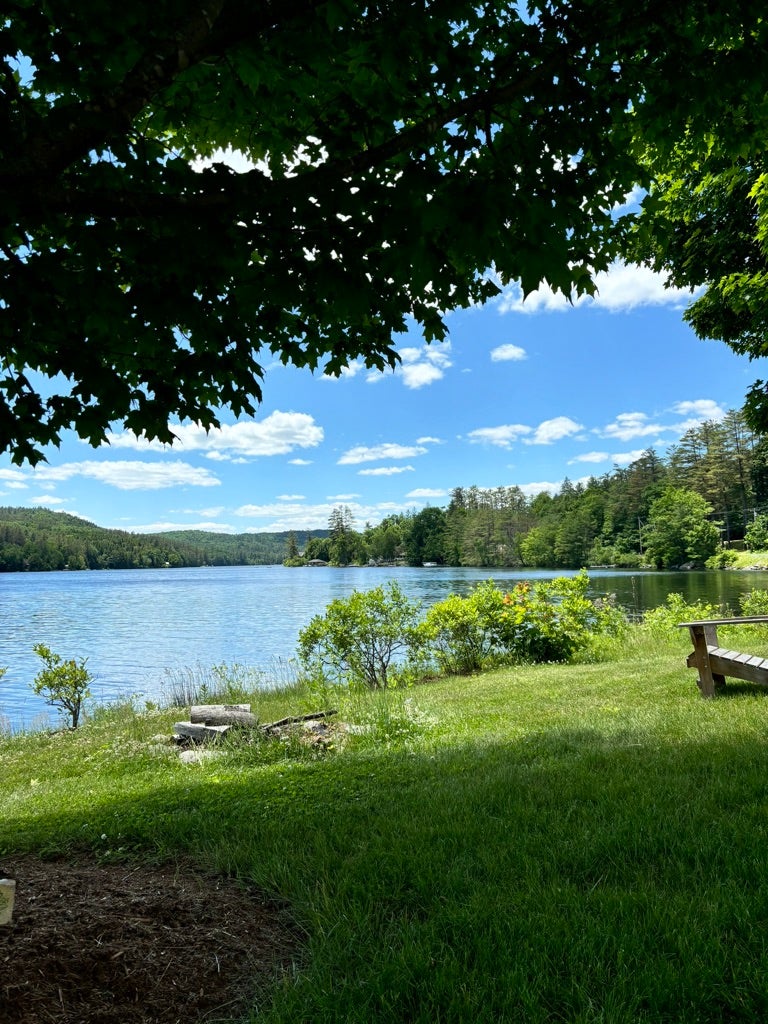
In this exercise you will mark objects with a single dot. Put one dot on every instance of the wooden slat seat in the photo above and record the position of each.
(714, 663)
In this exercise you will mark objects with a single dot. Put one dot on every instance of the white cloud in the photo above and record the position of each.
(532, 489)
(291, 497)
(47, 499)
(429, 440)
(424, 365)
(277, 434)
(508, 353)
(385, 471)
(164, 526)
(627, 458)
(628, 425)
(13, 478)
(361, 453)
(299, 462)
(700, 410)
(503, 436)
(131, 476)
(623, 287)
(553, 430)
(427, 492)
(289, 516)
(591, 457)
(420, 375)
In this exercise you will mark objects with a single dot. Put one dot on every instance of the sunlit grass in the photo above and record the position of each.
(552, 843)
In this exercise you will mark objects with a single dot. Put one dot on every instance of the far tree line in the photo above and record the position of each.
(709, 492)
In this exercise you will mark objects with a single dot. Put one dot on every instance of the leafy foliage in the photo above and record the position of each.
(756, 534)
(662, 623)
(63, 684)
(706, 223)
(360, 638)
(392, 155)
(547, 621)
(678, 530)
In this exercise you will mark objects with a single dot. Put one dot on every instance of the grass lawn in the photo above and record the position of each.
(584, 843)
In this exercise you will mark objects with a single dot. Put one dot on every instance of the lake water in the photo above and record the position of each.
(134, 625)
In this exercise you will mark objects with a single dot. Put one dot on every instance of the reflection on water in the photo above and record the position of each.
(133, 624)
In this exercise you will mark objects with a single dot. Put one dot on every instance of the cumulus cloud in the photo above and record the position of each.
(13, 478)
(627, 458)
(362, 453)
(291, 497)
(164, 526)
(629, 425)
(385, 471)
(617, 458)
(532, 489)
(623, 287)
(299, 462)
(503, 436)
(277, 434)
(700, 410)
(279, 516)
(547, 432)
(429, 440)
(131, 476)
(553, 430)
(47, 499)
(424, 365)
(591, 457)
(427, 493)
(508, 353)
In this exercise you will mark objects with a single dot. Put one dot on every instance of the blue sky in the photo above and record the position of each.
(523, 393)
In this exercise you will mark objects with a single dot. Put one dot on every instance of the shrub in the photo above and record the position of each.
(756, 534)
(462, 632)
(63, 684)
(553, 620)
(371, 637)
(547, 621)
(724, 559)
(754, 603)
(662, 622)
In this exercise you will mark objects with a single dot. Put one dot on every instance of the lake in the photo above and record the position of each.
(133, 625)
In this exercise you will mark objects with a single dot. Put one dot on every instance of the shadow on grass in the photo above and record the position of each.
(580, 875)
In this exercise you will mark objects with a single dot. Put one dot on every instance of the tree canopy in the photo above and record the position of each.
(403, 159)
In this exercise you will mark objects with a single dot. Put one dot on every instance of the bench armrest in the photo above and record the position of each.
(745, 620)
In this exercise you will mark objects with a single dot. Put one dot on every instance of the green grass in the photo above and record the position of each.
(745, 559)
(582, 843)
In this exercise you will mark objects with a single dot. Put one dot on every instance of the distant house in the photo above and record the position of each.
(316, 561)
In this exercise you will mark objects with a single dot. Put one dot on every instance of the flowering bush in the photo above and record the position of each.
(545, 621)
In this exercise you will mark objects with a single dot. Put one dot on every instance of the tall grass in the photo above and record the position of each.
(578, 843)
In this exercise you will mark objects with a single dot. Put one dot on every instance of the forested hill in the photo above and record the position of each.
(39, 540)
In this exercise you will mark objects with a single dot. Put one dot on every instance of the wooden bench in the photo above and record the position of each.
(715, 663)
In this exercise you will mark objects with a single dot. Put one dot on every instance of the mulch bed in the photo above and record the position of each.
(94, 943)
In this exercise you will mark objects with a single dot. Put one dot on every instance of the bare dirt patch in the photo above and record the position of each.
(100, 944)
